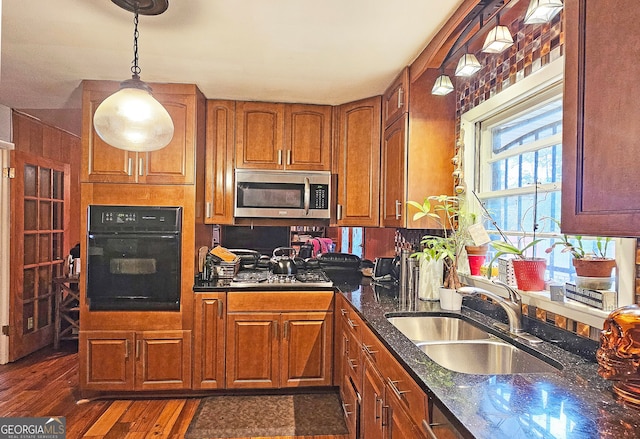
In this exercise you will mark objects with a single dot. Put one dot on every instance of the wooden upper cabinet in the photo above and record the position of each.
(219, 157)
(283, 136)
(357, 162)
(259, 135)
(430, 146)
(173, 164)
(600, 129)
(394, 147)
(307, 139)
(395, 101)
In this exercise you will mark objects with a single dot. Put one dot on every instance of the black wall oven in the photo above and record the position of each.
(134, 258)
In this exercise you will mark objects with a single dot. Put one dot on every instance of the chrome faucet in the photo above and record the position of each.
(512, 305)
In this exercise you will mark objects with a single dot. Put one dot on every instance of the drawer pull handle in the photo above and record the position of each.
(429, 430)
(352, 324)
(394, 387)
(367, 350)
(345, 409)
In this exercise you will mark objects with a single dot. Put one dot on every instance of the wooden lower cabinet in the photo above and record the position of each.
(274, 349)
(390, 403)
(373, 410)
(273, 343)
(135, 360)
(209, 341)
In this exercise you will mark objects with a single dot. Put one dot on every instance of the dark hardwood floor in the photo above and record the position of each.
(45, 383)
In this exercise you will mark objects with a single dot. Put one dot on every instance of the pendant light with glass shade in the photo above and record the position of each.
(498, 39)
(132, 119)
(468, 65)
(542, 11)
(442, 86)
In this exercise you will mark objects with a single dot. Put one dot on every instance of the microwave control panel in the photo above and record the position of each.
(319, 196)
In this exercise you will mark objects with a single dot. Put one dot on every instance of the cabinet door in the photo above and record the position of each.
(306, 349)
(307, 137)
(350, 407)
(399, 424)
(219, 162)
(395, 100)
(101, 162)
(208, 349)
(106, 360)
(163, 360)
(259, 135)
(173, 164)
(372, 406)
(600, 129)
(394, 149)
(357, 163)
(252, 350)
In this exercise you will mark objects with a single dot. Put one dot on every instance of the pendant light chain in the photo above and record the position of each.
(135, 69)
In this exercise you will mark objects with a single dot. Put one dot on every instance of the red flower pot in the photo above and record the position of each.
(529, 273)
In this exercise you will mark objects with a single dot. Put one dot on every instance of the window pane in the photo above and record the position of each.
(529, 127)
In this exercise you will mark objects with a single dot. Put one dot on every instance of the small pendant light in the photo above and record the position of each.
(442, 86)
(132, 119)
(498, 39)
(468, 65)
(542, 11)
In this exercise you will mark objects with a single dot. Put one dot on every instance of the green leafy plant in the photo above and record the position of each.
(576, 248)
(446, 211)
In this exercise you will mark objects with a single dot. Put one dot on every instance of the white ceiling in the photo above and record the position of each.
(325, 52)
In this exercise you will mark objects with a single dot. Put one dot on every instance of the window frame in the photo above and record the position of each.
(541, 83)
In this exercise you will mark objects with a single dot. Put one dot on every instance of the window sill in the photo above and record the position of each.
(541, 299)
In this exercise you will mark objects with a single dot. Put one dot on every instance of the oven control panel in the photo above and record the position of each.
(141, 218)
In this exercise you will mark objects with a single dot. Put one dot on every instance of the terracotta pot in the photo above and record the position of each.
(530, 273)
(476, 250)
(599, 267)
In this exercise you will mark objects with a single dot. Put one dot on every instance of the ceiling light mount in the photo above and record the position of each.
(143, 7)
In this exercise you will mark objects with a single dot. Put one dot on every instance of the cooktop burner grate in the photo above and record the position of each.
(315, 278)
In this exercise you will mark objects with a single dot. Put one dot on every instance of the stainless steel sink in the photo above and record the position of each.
(437, 328)
(460, 346)
(485, 357)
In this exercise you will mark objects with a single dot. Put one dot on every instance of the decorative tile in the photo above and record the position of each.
(561, 322)
(583, 329)
(541, 314)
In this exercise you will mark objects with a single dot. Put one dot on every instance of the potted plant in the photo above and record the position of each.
(593, 263)
(529, 271)
(447, 247)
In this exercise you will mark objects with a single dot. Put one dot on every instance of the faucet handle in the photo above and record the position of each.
(514, 296)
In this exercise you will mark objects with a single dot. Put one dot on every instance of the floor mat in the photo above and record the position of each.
(313, 414)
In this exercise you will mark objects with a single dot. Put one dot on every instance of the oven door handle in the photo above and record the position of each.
(136, 235)
(307, 195)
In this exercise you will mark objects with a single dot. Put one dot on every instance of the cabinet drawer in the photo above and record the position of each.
(280, 301)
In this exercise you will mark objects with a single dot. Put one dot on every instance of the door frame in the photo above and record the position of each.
(5, 238)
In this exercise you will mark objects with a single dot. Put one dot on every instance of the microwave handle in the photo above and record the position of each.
(307, 195)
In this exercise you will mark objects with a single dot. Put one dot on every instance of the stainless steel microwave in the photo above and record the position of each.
(282, 194)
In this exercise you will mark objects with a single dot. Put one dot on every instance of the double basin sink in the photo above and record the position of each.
(461, 346)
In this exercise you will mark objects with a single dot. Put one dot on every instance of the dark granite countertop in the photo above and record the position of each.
(572, 403)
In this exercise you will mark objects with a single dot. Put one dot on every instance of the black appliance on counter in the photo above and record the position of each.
(133, 258)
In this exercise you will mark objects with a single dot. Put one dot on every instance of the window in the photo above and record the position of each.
(513, 150)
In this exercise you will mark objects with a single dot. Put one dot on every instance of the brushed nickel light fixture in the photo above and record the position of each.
(542, 11)
(132, 119)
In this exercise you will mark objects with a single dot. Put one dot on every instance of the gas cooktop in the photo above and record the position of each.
(308, 278)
